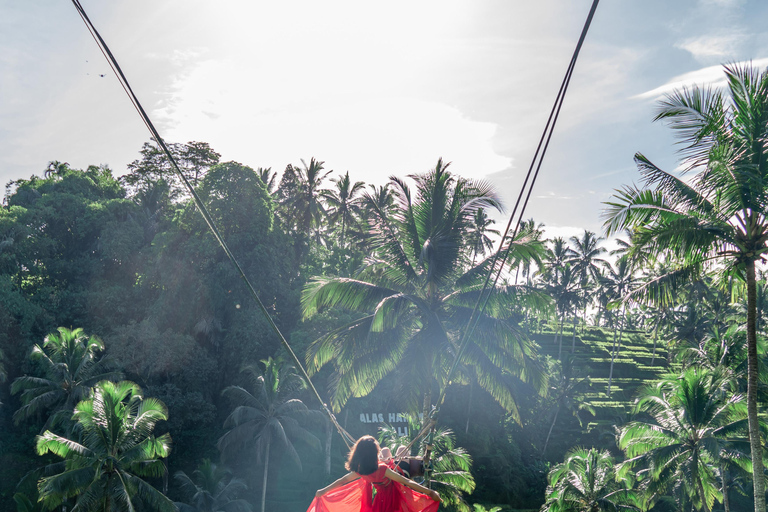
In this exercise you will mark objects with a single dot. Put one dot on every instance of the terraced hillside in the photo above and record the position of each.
(634, 366)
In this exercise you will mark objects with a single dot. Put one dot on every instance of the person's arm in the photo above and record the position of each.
(397, 477)
(338, 483)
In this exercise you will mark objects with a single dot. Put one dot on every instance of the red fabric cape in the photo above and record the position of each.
(356, 497)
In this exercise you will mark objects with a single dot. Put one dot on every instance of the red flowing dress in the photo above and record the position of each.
(357, 496)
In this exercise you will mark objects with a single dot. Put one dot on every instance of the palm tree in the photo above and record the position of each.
(310, 209)
(586, 261)
(267, 415)
(688, 420)
(376, 203)
(618, 281)
(479, 230)
(211, 489)
(415, 294)
(71, 365)
(586, 255)
(561, 284)
(451, 464)
(559, 256)
(343, 203)
(563, 395)
(719, 216)
(531, 230)
(658, 317)
(56, 168)
(586, 482)
(114, 449)
(268, 177)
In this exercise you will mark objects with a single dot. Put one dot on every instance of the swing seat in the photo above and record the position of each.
(411, 467)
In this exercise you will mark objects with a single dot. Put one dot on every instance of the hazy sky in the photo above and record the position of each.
(373, 88)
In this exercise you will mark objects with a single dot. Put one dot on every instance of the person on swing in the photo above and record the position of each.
(354, 491)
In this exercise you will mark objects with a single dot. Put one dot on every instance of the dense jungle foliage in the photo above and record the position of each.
(136, 367)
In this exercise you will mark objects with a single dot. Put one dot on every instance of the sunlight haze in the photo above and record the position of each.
(375, 90)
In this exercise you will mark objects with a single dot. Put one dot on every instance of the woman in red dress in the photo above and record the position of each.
(354, 492)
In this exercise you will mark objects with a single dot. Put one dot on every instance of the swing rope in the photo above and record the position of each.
(348, 439)
(478, 310)
(536, 161)
(531, 176)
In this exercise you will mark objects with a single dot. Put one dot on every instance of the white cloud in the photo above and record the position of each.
(722, 3)
(263, 123)
(706, 47)
(712, 75)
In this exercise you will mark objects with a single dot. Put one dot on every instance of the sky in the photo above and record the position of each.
(376, 89)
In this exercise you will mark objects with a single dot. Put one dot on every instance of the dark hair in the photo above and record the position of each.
(363, 458)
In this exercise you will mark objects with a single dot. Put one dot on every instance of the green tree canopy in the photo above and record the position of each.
(415, 295)
(71, 364)
(104, 465)
(586, 482)
(716, 220)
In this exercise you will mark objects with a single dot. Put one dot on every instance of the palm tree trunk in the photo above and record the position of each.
(699, 485)
(328, 439)
(557, 411)
(758, 478)
(560, 347)
(264, 484)
(724, 477)
(615, 350)
(655, 338)
(573, 340)
(469, 405)
(613, 356)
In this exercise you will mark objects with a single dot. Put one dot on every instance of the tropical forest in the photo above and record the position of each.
(146, 367)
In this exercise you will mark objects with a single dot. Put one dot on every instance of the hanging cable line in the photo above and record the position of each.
(496, 266)
(531, 176)
(203, 210)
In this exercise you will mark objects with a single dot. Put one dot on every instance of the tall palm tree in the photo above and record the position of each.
(114, 449)
(267, 415)
(586, 482)
(479, 230)
(343, 204)
(376, 203)
(687, 421)
(618, 281)
(533, 231)
(587, 261)
(563, 394)
(309, 204)
(561, 284)
(559, 256)
(586, 255)
(71, 364)
(451, 464)
(416, 294)
(720, 216)
(268, 177)
(211, 489)
(659, 318)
